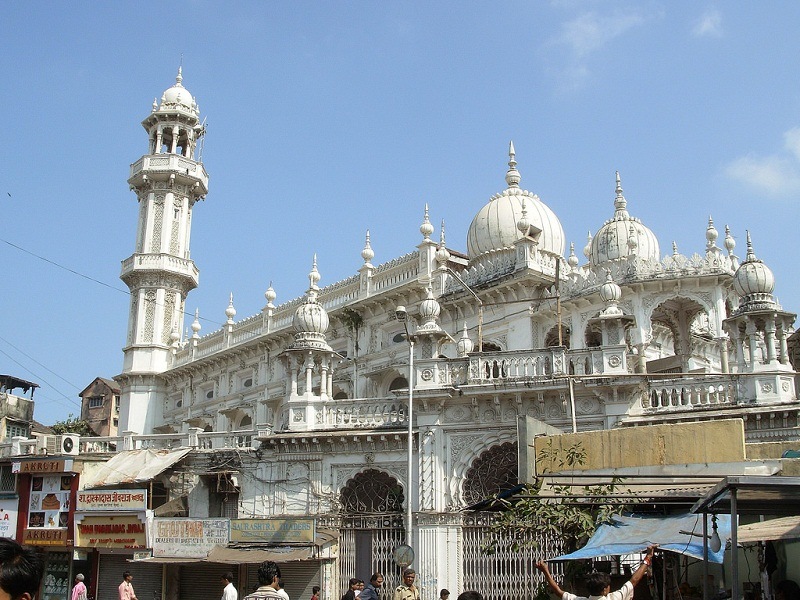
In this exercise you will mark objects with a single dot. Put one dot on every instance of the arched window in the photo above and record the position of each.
(372, 491)
(399, 383)
(246, 422)
(494, 471)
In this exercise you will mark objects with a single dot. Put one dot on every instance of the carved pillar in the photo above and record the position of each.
(769, 339)
(752, 342)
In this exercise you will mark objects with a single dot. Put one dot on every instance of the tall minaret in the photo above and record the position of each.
(168, 180)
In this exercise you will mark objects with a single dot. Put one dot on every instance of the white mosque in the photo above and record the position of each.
(314, 392)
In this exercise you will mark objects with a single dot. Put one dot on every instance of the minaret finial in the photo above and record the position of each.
(426, 229)
(314, 276)
(179, 77)
(367, 254)
(512, 175)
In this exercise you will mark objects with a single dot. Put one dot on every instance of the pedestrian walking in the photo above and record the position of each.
(126, 587)
(79, 591)
(407, 590)
(228, 590)
(371, 589)
(269, 577)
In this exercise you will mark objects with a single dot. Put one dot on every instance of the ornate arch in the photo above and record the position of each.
(372, 492)
(494, 471)
(464, 450)
(551, 338)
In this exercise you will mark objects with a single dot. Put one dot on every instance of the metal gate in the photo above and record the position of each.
(146, 577)
(367, 544)
(509, 573)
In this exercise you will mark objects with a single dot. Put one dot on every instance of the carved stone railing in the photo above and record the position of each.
(371, 413)
(690, 392)
(490, 366)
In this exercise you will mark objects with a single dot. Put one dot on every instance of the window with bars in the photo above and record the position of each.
(8, 481)
(16, 430)
(95, 401)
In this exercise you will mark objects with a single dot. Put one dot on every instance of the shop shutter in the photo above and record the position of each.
(204, 581)
(298, 578)
(146, 577)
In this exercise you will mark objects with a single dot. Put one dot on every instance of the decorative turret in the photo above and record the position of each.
(759, 329)
(464, 345)
(310, 320)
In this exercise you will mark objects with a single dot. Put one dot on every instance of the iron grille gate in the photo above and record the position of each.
(367, 543)
(508, 573)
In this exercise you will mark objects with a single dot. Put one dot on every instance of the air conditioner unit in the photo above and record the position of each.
(63, 444)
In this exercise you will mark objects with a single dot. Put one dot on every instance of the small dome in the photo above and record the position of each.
(178, 97)
(753, 276)
(464, 345)
(610, 291)
(623, 236)
(496, 225)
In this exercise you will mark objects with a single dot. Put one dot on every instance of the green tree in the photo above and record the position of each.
(566, 512)
(73, 425)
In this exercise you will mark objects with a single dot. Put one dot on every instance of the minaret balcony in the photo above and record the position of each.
(184, 169)
(161, 263)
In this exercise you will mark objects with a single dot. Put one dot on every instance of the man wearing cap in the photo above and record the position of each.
(407, 590)
(79, 591)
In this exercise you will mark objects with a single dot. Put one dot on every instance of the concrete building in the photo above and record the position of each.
(100, 406)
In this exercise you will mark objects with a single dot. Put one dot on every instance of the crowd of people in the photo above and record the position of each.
(22, 567)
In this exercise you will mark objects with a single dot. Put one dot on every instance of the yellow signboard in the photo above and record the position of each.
(125, 531)
(274, 531)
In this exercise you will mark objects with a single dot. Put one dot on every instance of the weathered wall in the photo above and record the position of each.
(656, 445)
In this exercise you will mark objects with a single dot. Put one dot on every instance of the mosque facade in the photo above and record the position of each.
(314, 393)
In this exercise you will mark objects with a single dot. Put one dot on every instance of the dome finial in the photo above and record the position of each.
(512, 175)
(620, 203)
(523, 225)
(270, 295)
(426, 229)
(751, 255)
(230, 312)
(730, 242)
(442, 253)
(196, 327)
(674, 248)
(587, 249)
(179, 76)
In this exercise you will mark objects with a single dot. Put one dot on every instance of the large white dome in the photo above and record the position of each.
(495, 225)
(178, 97)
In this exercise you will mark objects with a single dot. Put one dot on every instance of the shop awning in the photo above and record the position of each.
(133, 466)
(628, 535)
(279, 554)
(785, 528)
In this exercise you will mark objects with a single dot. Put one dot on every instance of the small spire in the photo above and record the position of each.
(155, 104)
(730, 242)
(196, 327)
(751, 255)
(620, 203)
(442, 253)
(587, 249)
(179, 77)
(270, 295)
(426, 229)
(512, 175)
(230, 312)
(572, 261)
(367, 254)
(674, 248)
(633, 242)
(523, 224)
(711, 234)
(314, 276)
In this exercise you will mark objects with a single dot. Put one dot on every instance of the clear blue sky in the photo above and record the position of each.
(326, 119)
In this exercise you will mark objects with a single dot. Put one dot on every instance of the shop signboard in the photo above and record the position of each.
(44, 537)
(42, 466)
(48, 509)
(111, 500)
(8, 517)
(188, 538)
(111, 531)
(273, 531)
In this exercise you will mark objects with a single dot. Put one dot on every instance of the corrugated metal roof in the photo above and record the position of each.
(132, 466)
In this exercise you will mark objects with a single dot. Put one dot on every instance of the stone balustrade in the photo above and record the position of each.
(367, 414)
(691, 392)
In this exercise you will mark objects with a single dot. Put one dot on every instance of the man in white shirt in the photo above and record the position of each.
(599, 584)
(229, 592)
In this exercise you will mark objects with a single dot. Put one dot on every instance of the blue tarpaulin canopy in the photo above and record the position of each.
(628, 535)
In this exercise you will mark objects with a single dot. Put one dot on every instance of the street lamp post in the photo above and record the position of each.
(402, 315)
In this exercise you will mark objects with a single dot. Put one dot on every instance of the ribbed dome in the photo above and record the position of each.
(495, 225)
(753, 276)
(311, 320)
(178, 97)
(623, 236)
